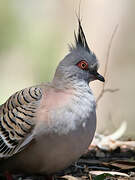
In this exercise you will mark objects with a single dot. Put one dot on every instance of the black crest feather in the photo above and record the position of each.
(80, 38)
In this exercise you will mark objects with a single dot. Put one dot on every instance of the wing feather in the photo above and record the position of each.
(17, 120)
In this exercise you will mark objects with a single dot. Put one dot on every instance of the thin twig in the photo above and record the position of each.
(103, 90)
(110, 90)
(109, 49)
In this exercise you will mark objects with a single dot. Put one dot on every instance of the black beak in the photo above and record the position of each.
(98, 76)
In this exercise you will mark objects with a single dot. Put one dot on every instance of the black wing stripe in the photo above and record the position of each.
(8, 107)
(31, 94)
(10, 150)
(4, 111)
(18, 134)
(11, 132)
(29, 110)
(35, 90)
(2, 144)
(11, 102)
(7, 149)
(1, 140)
(38, 92)
(23, 128)
(6, 122)
(29, 115)
(11, 119)
(20, 118)
(24, 97)
(3, 148)
(18, 99)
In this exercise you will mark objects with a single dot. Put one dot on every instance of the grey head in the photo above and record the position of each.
(80, 64)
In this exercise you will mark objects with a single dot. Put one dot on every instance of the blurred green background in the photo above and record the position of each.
(34, 37)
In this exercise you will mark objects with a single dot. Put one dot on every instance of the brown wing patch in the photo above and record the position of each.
(17, 119)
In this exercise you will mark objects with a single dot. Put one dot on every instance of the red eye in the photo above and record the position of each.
(83, 65)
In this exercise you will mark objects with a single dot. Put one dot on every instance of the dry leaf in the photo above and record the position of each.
(123, 164)
(68, 177)
(114, 173)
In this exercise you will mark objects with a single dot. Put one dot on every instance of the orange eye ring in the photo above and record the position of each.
(83, 65)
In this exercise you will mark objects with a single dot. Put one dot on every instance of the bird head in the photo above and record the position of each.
(81, 63)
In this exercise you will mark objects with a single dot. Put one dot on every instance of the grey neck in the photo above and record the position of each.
(70, 82)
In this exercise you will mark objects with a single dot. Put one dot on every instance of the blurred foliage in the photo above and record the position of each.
(44, 50)
(8, 25)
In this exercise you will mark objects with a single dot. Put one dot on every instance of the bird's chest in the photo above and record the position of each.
(71, 113)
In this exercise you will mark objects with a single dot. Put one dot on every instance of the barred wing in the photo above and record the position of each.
(17, 120)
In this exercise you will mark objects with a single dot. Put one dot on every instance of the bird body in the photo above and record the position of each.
(45, 128)
(64, 128)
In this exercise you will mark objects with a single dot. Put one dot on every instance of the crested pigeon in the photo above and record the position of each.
(44, 128)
